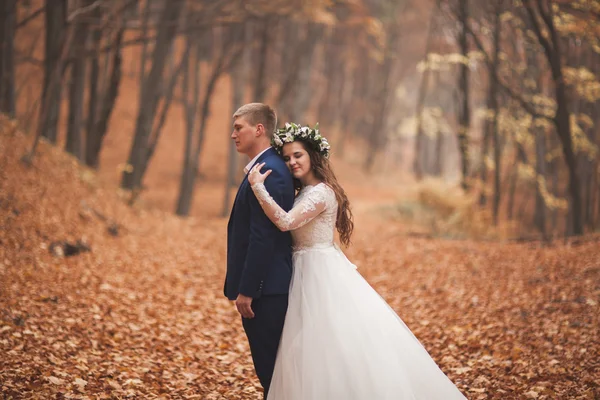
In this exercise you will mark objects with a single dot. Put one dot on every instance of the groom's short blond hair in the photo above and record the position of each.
(259, 113)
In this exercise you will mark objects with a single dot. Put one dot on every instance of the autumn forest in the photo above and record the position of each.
(465, 132)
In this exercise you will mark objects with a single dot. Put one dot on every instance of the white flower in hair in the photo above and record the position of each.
(292, 132)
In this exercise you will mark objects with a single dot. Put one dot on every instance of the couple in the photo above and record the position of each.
(317, 330)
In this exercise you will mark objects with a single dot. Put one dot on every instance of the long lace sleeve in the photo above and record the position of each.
(308, 208)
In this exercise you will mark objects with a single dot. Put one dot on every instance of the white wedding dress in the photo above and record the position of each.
(341, 340)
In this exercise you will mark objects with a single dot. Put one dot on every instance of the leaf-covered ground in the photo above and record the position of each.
(141, 315)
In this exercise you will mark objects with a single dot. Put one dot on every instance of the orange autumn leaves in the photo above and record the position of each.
(142, 314)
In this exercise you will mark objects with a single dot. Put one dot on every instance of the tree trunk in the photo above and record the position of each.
(190, 111)
(132, 176)
(521, 158)
(260, 87)
(91, 146)
(494, 107)
(8, 17)
(56, 16)
(491, 128)
(563, 127)
(594, 197)
(54, 83)
(465, 111)
(540, 166)
(438, 162)
(290, 57)
(343, 109)
(100, 125)
(514, 176)
(333, 75)
(166, 104)
(378, 128)
(423, 86)
(186, 193)
(562, 119)
(238, 78)
(74, 143)
(303, 93)
(144, 50)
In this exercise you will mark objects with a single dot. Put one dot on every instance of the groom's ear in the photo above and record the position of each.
(260, 129)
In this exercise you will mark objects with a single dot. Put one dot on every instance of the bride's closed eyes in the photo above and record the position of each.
(296, 155)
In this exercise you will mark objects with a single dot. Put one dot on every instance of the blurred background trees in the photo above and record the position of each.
(500, 97)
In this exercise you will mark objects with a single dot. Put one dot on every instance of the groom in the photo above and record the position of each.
(259, 264)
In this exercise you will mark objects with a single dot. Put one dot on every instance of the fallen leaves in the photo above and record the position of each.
(142, 314)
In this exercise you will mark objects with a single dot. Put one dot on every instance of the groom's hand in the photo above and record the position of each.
(244, 306)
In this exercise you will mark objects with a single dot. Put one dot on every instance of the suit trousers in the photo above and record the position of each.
(264, 332)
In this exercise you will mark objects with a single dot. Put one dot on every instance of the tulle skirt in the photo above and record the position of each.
(342, 341)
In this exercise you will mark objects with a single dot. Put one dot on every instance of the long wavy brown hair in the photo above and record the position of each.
(322, 169)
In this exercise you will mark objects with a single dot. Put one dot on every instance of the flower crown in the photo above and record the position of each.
(292, 132)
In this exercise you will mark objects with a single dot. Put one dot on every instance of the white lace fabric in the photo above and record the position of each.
(340, 339)
(311, 220)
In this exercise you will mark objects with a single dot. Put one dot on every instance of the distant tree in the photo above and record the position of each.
(230, 51)
(464, 112)
(139, 154)
(7, 62)
(56, 23)
(103, 105)
(74, 142)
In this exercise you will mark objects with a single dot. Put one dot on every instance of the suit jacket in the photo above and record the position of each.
(259, 255)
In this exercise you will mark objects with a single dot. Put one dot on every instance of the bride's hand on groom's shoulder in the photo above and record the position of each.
(255, 176)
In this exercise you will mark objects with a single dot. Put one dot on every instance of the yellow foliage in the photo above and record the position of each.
(581, 141)
(456, 213)
(432, 123)
(530, 84)
(578, 23)
(375, 28)
(519, 126)
(554, 154)
(442, 62)
(551, 201)
(544, 101)
(484, 113)
(507, 16)
(489, 163)
(542, 123)
(584, 81)
(528, 173)
(586, 120)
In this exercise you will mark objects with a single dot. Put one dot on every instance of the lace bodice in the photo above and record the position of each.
(311, 220)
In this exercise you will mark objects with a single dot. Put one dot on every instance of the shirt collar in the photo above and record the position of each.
(251, 163)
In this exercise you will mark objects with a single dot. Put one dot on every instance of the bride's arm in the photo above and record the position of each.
(307, 209)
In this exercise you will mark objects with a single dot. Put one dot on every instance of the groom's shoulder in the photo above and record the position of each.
(275, 160)
(278, 168)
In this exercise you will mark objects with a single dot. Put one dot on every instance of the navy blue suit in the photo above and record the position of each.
(259, 263)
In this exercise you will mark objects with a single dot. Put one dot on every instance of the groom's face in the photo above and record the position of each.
(244, 135)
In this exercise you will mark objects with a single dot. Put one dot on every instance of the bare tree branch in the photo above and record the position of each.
(489, 62)
(83, 10)
(30, 17)
(536, 26)
(580, 13)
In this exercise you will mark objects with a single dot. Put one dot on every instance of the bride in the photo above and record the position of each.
(341, 340)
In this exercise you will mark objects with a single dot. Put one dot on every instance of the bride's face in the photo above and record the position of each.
(297, 159)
